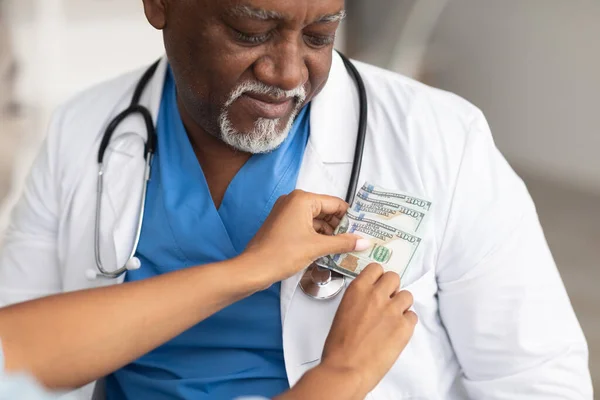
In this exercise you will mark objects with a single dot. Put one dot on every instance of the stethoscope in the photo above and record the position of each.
(318, 281)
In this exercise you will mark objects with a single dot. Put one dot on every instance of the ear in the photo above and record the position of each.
(155, 11)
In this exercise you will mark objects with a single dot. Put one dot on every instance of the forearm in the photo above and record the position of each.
(72, 339)
(324, 383)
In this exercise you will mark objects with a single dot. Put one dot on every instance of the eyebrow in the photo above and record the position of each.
(255, 13)
(246, 11)
(328, 18)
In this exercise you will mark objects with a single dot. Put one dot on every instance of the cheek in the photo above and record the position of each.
(318, 72)
(206, 71)
(206, 67)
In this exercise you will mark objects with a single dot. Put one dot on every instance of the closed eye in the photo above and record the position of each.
(251, 38)
(319, 40)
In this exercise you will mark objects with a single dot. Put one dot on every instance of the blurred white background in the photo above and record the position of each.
(60, 47)
(531, 65)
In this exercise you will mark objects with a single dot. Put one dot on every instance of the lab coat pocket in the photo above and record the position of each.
(422, 265)
(422, 283)
(424, 291)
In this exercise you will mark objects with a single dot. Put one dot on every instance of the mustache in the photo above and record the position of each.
(299, 93)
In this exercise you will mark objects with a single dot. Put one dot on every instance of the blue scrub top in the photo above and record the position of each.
(238, 351)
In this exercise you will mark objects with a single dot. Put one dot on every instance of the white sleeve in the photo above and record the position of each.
(501, 298)
(20, 386)
(29, 261)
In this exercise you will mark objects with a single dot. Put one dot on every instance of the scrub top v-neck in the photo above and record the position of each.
(237, 351)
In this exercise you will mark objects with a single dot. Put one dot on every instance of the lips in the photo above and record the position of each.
(265, 106)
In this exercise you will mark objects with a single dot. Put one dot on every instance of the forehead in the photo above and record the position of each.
(307, 11)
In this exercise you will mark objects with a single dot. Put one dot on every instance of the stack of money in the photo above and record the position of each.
(392, 220)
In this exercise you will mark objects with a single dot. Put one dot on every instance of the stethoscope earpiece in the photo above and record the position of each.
(133, 263)
(91, 275)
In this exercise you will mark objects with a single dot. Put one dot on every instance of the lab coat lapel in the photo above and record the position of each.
(124, 163)
(326, 169)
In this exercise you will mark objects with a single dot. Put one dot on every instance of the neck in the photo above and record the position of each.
(220, 163)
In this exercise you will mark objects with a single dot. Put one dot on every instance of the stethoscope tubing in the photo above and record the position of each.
(150, 147)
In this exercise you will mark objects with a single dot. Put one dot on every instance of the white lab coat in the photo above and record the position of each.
(495, 321)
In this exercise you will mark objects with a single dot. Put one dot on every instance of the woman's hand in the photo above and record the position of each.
(371, 328)
(297, 232)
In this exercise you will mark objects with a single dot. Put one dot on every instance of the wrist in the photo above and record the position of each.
(349, 378)
(326, 382)
(253, 268)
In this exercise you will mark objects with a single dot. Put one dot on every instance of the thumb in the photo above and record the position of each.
(345, 243)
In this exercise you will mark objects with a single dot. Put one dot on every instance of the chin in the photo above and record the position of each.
(265, 136)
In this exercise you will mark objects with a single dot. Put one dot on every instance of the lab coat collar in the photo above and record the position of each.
(334, 116)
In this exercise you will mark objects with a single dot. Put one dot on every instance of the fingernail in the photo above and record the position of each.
(362, 244)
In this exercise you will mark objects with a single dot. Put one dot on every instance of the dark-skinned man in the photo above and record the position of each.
(249, 103)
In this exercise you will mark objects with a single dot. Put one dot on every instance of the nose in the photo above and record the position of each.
(283, 66)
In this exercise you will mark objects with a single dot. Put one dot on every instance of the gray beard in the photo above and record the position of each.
(264, 136)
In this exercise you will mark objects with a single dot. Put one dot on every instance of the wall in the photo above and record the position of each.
(531, 65)
(62, 47)
(67, 45)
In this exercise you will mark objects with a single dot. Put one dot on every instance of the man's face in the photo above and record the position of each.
(244, 68)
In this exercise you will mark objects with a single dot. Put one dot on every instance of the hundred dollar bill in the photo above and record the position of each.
(373, 192)
(389, 211)
(391, 247)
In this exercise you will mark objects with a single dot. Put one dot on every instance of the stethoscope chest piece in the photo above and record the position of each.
(321, 283)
